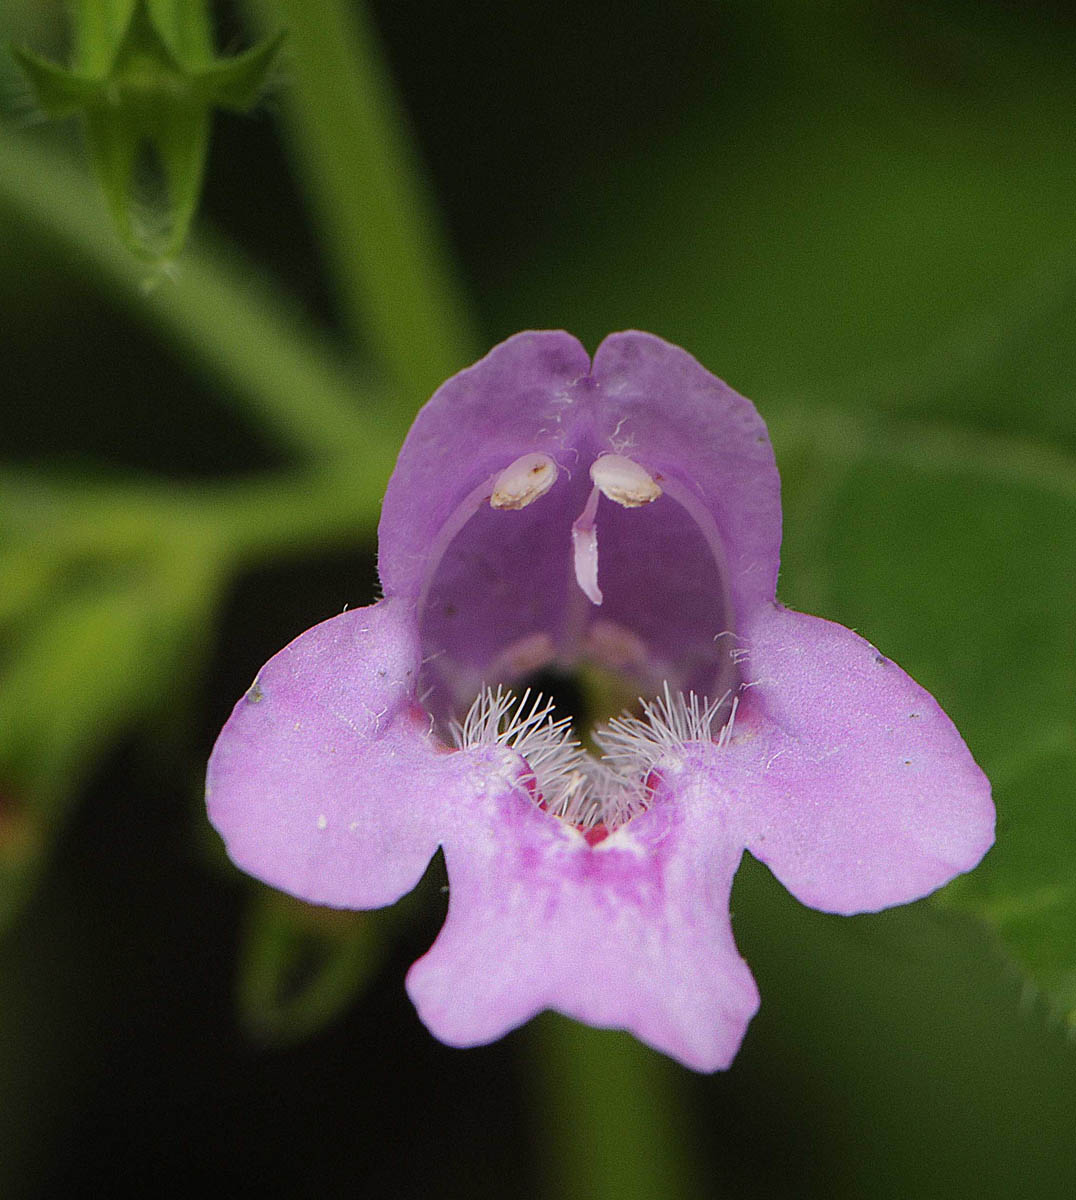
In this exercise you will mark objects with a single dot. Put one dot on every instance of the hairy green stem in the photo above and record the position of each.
(360, 168)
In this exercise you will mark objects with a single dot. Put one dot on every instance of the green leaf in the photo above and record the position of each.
(301, 966)
(59, 92)
(831, 230)
(1027, 889)
(236, 83)
(105, 655)
(23, 846)
(956, 555)
(26, 571)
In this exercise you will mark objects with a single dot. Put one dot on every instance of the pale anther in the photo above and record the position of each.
(523, 481)
(624, 481)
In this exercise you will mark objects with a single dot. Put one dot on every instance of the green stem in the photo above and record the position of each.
(250, 521)
(282, 516)
(613, 1129)
(216, 308)
(377, 222)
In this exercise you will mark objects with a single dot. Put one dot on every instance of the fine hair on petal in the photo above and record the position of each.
(668, 722)
(569, 782)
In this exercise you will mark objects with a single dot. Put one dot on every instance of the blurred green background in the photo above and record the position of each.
(860, 213)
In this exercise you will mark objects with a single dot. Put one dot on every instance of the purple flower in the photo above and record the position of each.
(620, 517)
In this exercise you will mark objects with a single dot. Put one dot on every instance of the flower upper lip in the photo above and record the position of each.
(490, 577)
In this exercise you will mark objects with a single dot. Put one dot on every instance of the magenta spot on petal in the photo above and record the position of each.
(595, 834)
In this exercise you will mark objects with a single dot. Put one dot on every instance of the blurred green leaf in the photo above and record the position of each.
(61, 93)
(236, 83)
(23, 844)
(849, 225)
(956, 554)
(107, 653)
(301, 966)
(25, 575)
